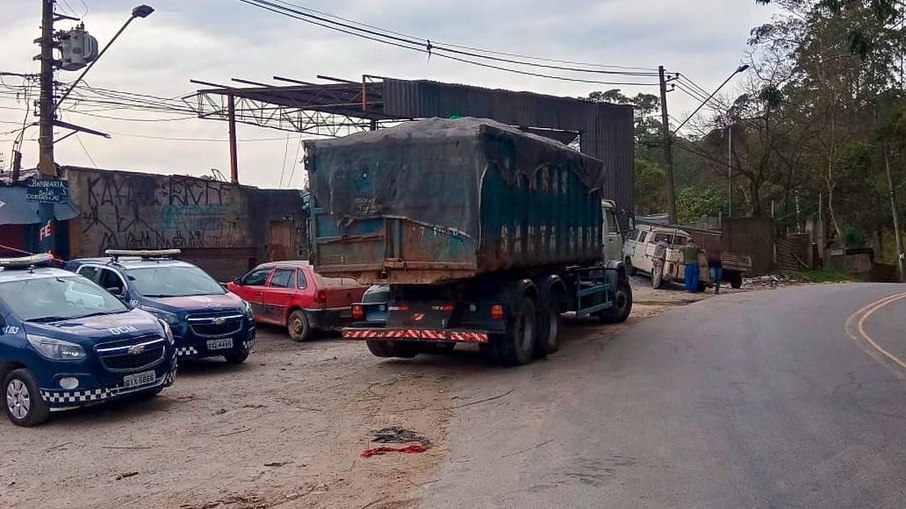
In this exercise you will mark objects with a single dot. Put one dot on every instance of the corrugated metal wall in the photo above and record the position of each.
(606, 130)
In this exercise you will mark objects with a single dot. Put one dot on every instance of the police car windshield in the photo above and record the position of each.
(47, 299)
(174, 281)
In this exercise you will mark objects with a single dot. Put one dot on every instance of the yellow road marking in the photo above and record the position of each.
(869, 310)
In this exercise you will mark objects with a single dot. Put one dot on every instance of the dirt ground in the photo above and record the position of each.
(284, 430)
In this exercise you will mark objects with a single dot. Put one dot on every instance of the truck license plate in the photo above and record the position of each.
(139, 379)
(345, 313)
(220, 344)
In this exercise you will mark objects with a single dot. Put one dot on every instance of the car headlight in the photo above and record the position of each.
(55, 349)
(166, 316)
(248, 310)
(168, 332)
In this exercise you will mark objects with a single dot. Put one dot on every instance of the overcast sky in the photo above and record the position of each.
(215, 40)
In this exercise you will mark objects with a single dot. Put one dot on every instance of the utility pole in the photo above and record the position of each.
(730, 170)
(901, 258)
(46, 165)
(668, 149)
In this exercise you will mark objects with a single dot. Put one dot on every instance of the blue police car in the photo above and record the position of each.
(65, 342)
(207, 321)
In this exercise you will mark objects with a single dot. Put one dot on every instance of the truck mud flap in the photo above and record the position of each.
(418, 334)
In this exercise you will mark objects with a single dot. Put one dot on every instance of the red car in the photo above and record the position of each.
(292, 295)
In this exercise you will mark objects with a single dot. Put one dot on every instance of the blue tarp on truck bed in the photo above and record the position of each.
(436, 200)
(430, 171)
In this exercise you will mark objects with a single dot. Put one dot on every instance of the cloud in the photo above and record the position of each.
(215, 40)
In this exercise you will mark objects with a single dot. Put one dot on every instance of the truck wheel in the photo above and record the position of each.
(518, 344)
(548, 340)
(387, 349)
(735, 280)
(298, 326)
(24, 405)
(629, 268)
(622, 304)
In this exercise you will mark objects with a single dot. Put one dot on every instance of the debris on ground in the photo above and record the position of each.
(277, 464)
(398, 435)
(382, 450)
(770, 281)
(127, 475)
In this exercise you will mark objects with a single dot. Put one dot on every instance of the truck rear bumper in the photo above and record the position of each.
(458, 336)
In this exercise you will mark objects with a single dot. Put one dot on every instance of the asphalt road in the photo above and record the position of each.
(787, 398)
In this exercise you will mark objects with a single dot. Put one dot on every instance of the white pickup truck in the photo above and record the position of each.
(638, 254)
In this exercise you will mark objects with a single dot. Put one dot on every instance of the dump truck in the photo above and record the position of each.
(480, 233)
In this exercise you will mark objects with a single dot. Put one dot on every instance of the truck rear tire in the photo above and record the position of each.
(735, 280)
(388, 349)
(547, 340)
(517, 346)
(622, 304)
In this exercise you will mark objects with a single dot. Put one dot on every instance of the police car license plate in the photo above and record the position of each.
(220, 344)
(139, 379)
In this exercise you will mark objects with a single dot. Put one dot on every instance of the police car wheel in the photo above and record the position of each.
(236, 358)
(24, 405)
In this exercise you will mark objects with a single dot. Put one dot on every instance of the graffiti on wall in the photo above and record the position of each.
(157, 212)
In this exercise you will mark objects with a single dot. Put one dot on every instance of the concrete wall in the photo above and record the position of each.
(223, 227)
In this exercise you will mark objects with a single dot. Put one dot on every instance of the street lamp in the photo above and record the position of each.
(142, 11)
(741, 68)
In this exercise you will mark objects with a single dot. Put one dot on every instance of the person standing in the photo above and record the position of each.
(658, 259)
(715, 266)
(690, 259)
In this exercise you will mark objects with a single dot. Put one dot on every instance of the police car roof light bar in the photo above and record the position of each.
(26, 261)
(144, 254)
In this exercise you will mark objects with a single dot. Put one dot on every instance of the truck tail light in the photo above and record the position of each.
(321, 298)
(497, 311)
(358, 312)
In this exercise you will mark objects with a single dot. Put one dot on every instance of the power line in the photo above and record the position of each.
(285, 154)
(79, 139)
(429, 49)
(295, 162)
(517, 55)
(408, 39)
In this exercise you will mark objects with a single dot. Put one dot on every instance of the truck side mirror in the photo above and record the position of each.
(237, 280)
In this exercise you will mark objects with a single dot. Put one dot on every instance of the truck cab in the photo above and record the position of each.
(207, 320)
(65, 342)
(613, 235)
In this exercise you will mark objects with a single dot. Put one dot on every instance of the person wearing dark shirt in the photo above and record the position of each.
(715, 267)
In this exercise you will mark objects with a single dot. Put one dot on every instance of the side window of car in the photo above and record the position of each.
(110, 280)
(256, 277)
(612, 223)
(302, 283)
(642, 236)
(283, 278)
(88, 272)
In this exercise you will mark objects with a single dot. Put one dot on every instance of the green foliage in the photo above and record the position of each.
(823, 276)
(855, 238)
(693, 203)
(650, 187)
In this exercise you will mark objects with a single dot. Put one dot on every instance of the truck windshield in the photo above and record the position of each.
(174, 282)
(57, 298)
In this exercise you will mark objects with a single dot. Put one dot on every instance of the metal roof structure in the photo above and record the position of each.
(341, 107)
